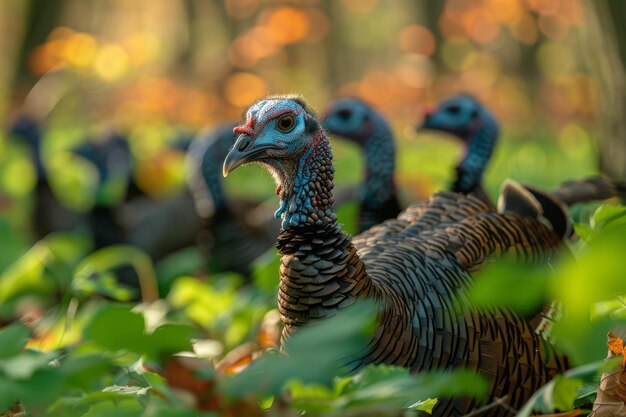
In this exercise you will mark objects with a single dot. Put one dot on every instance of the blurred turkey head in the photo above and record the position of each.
(350, 118)
(461, 115)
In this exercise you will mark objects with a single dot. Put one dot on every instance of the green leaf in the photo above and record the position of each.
(425, 405)
(24, 365)
(116, 327)
(520, 287)
(585, 232)
(544, 401)
(372, 375)
(13, 339)
(595, 277)
(83, 371)
(168, 339)
(91, 274)
(606, 214)
(183, 262)
(564, 392)
(127, 390)
(39, 390)
(401, 391)
(328, 344)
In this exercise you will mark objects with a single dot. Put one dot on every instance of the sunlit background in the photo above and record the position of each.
(160, 70)
(86, 236)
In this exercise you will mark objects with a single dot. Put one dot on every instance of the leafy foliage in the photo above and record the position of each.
(87, 355)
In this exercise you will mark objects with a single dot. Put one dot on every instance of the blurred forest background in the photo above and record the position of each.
(158, 71)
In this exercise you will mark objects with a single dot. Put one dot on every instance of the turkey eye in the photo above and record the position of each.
(454, 109)
(286, 123)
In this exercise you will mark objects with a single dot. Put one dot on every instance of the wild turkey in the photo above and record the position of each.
(112, 159)
(49, 214)
(358, 122)
(235, 232)
(417, 266)
(465, 117)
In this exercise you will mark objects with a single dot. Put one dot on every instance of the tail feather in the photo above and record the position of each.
(589, 189)
(529, 201)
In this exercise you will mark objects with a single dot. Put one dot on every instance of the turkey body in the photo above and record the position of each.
(417, 266)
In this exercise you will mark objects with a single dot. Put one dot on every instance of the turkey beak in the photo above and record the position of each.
(425, 123)
(244, 151)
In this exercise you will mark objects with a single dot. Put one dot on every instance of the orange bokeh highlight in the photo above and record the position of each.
(359, 6)
(319, 23)
(243, 88)
(248, 48)
(80, 50)
(525, 30)
(479, 26)
(504, 11)
(286, 25)
(46, 57)
(416, 39)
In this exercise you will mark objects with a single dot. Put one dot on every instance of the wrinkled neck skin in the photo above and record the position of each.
(306, 196)
(480, 146)
(380, 154)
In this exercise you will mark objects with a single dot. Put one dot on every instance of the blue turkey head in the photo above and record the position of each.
(461, 115)
(350, 118)
(277, 132)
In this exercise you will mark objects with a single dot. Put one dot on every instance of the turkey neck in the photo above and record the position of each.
(320, 270)
(380, 155)
(479, 149)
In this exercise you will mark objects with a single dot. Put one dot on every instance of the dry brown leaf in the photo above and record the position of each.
(237, 359)
(611, 398)
(271, 329)
(572, 413)
(615, 344)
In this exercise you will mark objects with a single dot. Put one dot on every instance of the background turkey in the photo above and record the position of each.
(463, 116)
(111, 157)
(469, 120)
(49, 214)
(235, 232)
(353, 119)
(417, 266)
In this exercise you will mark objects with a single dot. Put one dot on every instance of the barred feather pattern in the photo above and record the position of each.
(417, 266)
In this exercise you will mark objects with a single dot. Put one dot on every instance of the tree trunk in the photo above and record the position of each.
(605, 57)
